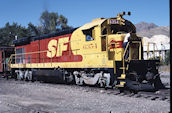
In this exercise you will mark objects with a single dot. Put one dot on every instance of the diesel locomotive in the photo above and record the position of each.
(92, 54)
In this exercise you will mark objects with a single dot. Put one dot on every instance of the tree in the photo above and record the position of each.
(33, 30)
(9, 32)
(51, 22)
(63, 21)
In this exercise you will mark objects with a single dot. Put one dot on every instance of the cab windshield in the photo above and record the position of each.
(114, 28)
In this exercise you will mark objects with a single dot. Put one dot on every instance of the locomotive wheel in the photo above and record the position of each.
(20, 75)
(102, 84)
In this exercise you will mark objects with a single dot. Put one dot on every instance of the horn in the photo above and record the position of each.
(129, 13)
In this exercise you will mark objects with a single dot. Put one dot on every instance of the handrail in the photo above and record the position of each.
(38, 52)
(124, 56)
(126, 51)
(9, 62)
(12, 55)
(148, 50)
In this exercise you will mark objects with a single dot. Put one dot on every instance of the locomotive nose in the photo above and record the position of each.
(115, 46)
(115, 41)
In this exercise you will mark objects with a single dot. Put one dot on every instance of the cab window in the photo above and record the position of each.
(104, 32)
(89, 33)
(114, 28)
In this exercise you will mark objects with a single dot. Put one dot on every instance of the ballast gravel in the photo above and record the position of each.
(35, 97)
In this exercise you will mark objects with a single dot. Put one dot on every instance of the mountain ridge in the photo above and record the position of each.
(145, 29)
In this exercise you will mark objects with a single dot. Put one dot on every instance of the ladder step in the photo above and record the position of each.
(120, 85)
(122, 68)
(122, 76)
(132, 73)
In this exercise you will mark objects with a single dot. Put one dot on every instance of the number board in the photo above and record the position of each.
(113, 21)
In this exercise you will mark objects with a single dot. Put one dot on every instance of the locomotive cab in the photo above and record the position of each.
(129, 67)
(113, 33)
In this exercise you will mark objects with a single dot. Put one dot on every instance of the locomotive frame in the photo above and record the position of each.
(92, 54)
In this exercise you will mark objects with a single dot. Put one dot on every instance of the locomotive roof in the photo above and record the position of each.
(58, 33)
(100, 21)
(27, 40)
(94, 23)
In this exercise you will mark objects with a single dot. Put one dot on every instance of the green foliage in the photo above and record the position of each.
(9, 32)
(50, 22)
(33, 30)
(63, 23)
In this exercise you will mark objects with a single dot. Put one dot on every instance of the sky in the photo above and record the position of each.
(80, 12)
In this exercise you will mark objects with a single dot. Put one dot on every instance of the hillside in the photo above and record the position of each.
(150, 29)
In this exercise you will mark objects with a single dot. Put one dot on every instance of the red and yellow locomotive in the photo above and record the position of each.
(92, 54)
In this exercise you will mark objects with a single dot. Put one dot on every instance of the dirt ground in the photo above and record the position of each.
(28, 97)
(164, 68)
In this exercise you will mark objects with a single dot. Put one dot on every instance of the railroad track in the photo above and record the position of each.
(161, 95)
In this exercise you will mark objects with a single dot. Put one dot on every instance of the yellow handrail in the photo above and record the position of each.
(148, 51)
(140, 51)
(126, 51)
(124, 56)
(126, 48)
(12, 55)
(9, 62)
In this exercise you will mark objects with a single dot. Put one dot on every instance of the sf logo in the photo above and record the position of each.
(56, 47)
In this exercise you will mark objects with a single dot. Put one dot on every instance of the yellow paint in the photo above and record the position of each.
(92, 54)
(56, 49)
(122, 76)
(140, 55)
(61, 46)
(51, 49)
(122, 83)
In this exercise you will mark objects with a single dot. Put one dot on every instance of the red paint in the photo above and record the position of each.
(116, 44)
(42, 45)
